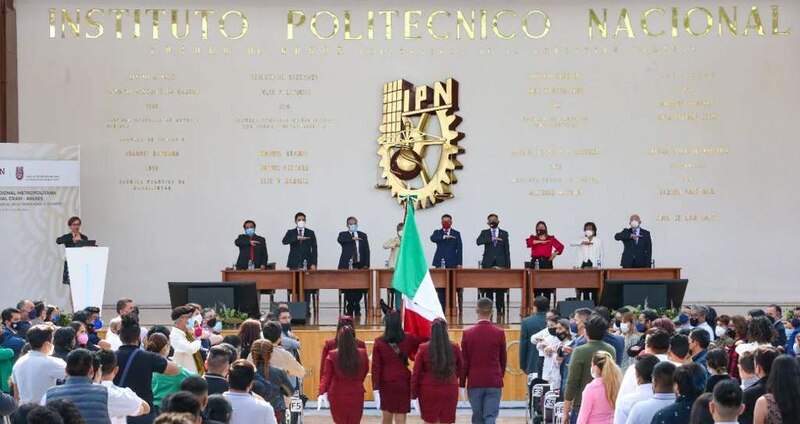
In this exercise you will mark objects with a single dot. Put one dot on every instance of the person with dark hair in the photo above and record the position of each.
(449, 250)
(279, 382)
(764, 358)
(36, 371)
(544, 249)
(528, 354)
(698, 320)
(483, 349)
(20, 416)
(282, 358)
(775, 314)
(644, 323)
(627, 330)
(183, 403)
(637, 245)
(198, 387)
(698, 345)
(217, 363)
(330, 344)
(434, 381)
(701, 412)
(11, 339)
(164, 385)
(717, 365)
(760, 332)
(218, 410)
(690, 382)
(82, 336)
(580, 364)
(74, 238)
(175, 418)
(7, 404)
(391, 378)
(252, 248)
(342, 384)
(589, 254)
(186, 346)
(780, 404)
(235, 341)
(40, 415)
(39, 313)
(747, 370)
(249, 331)
(246, 409)
(355, 255)
(67, 410)
(302, 245)
(289, 340)
(496, 254)
(679, 350)
(137, 367)
(643, 368)
(726, 402)
(130, 404)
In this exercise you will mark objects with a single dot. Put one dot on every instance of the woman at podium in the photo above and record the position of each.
(73, 238)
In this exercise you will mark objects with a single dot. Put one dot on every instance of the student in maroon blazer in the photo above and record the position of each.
(483, 347)
(346, 367)
(434, 381)
(391, 378)
(330, 344)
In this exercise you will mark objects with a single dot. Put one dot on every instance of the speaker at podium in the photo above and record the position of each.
(87, 275)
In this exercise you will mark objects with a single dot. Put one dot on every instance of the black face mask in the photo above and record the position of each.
(212, 322)
(552, 331)
(541, 232)
(731, 333)
(617, 322)
(693, 322)
(286, 327)
(561, 336)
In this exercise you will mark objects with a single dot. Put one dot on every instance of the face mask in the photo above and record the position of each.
(400, 233)
(218, 327)
(83, 339)
(541, 232)
(693, 322)
(56, 318)
(683, 318)
(286, 327)
(588, 233)
(353, 228)
(720, 331)
(594, 374)
(796, 323)
(573, 327)
(97, 324)
(250, 231)
(730, 332)
(301, 224)
(493, 224)
(15, 326)
(617, 322)
(625, 327)
(634, 224)
(447, 225)
(211, 322)
(640, 327)
(190, 322)
(552, 331)
(561, 336)
(32, 314)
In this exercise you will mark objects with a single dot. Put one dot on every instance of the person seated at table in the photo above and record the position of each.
(544, 248)
(638, 246)
(252, 248)
(355, 255)
(496, 254)
(589, 255)
(449, 250)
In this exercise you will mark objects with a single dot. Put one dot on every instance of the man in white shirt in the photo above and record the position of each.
(656, 344)
(125, 307)
(643, 365)
(37, 371)
(185, 346)
(122, 401)
(663, 395)
(246, 409)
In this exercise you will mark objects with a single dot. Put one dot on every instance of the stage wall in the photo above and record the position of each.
(185, 133)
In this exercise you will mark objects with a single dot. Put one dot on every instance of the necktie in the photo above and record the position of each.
(252, 251)
(355, 251)
(636, 240)
(494, 235)
(301, 232)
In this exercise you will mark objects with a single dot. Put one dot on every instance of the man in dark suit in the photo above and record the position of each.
(483, 347)
(496, 254)
(764, 357)
(528, 355)
(302, 247)
(638, 251)
(355, 255)
(449, 250)
(252, 248)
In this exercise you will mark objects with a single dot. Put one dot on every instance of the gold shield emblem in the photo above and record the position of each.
(418, 145)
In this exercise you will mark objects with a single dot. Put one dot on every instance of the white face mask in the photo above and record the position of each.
(594, 374)
(625, 327)
(720, 331)
(634, 224)
(301, 224)
(588, 233)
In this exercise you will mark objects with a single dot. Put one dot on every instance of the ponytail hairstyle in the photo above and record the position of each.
(156, 343)
(262, 354)
(344, 321)
(609, 373)
(348, 359)
(441, 351)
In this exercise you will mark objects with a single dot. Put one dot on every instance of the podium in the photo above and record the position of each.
(87, 275)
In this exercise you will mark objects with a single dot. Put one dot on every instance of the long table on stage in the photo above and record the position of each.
(336, 279)
(492, 278)
(265, 280)
(643, 274)
(588, 278)
(440, 277)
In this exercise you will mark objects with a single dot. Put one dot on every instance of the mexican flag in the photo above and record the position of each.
(413, 279)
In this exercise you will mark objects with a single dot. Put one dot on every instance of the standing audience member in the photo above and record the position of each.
(600, 395)
(699, 318)
(747, 370)
(701, 411)
(643, 367)
(36, 371)
(717, 365)
(262, 355)
(483, 349)
(528, 355)
(183, 403)
(11, 340)
(663, 395)
(739, 334)
(698, 345)
(759, 333)
(775, 314)
(434, 381)
(781, 403)
(657, 344)
(726, 404)
(723, 333)
(217, 363)
(764, 357)
(218, 409)
(186, 346)
(67, 410)
(164, 385)
(109, 369)
(391, 378)
(246, 409)
(580, 366)
(39, 415)
(249, 332)
(342, 384)
(690, 382)
(627, 329)
(282, 358)
(679, 353)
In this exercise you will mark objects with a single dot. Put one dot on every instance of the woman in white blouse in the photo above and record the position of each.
(589, 255)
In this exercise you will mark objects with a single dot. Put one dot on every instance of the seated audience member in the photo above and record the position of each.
(246, 409)
(726, 404)
(717, 365)
(600, 395)
(164, 385)
(218, 409)
(701, 413)
(698, 345)
(183, 403)
(663, 395)
(643, 368)
(36, 371)
(690, 382)
(124, 396)
(781, 403)
(217, 363)
(764, 357)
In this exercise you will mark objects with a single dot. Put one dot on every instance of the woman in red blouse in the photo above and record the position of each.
(346, 367)
(391, 378)
(434, 382)
(544, 248)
